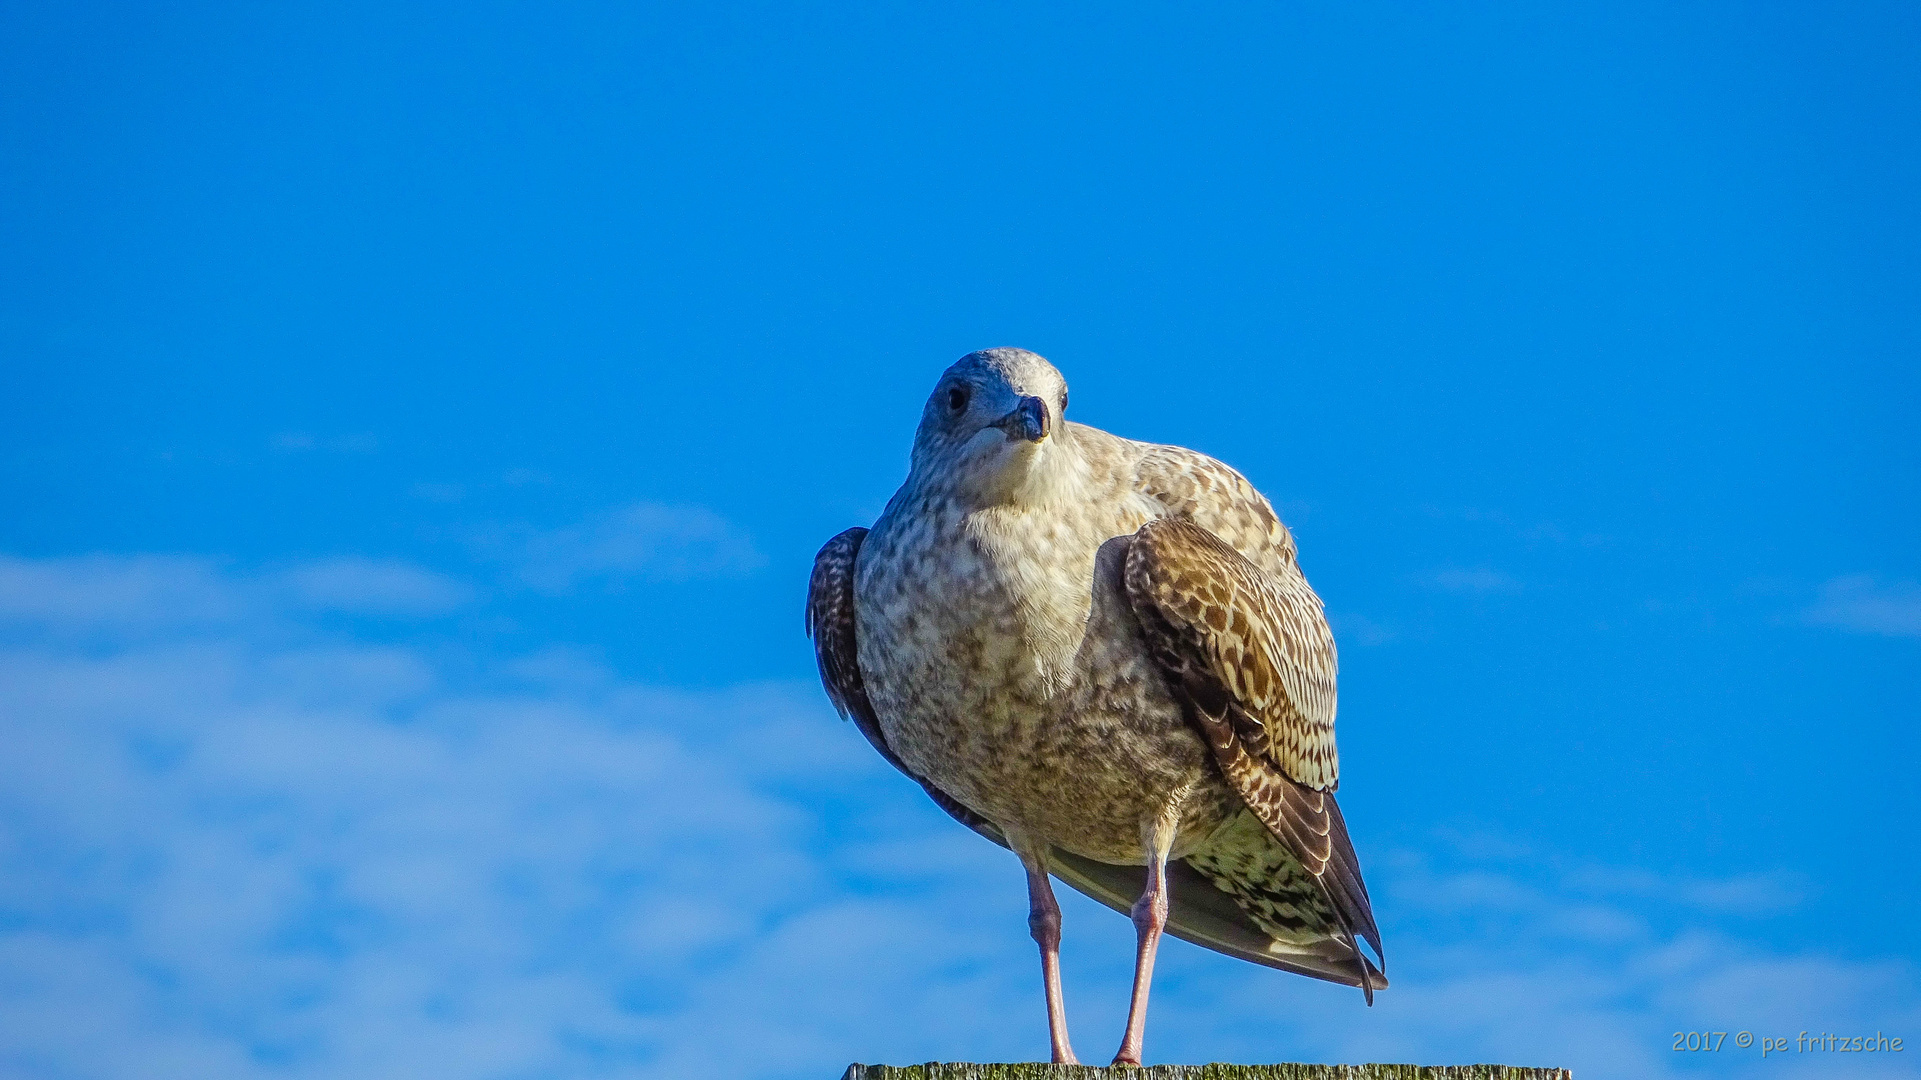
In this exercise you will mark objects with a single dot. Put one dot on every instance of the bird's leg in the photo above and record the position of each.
(1150, 915)
(1044, 921)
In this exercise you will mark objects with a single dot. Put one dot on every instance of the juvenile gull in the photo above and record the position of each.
(1102, 654)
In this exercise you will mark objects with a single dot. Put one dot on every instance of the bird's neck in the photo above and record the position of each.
(1034, 478)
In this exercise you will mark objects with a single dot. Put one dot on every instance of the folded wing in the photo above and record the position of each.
(1249, 655)
(830, 622)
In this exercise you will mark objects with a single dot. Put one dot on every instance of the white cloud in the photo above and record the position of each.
(90, 590)
(372, 586)
(95, 593)
(302, 860)
(226, 858)
(1492, 965)
(222, 855)
(646, 541)
(1755, 893)
(1860, 603)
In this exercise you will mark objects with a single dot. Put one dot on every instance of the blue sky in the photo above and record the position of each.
(417, 423)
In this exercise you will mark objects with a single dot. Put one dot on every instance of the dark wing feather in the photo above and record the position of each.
(830, 622)
(1203, 914)
(1252, 662)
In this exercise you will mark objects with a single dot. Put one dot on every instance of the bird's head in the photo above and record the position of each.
(993, 431)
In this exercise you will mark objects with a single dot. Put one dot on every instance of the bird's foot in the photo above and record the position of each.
(1130, 1061)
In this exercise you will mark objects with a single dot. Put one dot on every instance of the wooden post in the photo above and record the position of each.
(964, 1070)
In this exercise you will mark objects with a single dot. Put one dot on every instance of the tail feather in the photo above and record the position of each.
(1202, 913)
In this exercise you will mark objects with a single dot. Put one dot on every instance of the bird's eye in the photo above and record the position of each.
(1063, 403)
(956, 398)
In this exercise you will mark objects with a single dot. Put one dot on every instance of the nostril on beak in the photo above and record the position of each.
(1030, 420)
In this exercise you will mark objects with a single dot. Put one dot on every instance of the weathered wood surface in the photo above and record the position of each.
(963, 1070)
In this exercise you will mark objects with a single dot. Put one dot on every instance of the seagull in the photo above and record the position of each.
(1103, 655)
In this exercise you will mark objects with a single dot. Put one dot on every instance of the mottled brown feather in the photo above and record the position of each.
(1252, 661)
(1278, 654)
(830, 622)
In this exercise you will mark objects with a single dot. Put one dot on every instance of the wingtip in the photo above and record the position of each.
(1375, 979)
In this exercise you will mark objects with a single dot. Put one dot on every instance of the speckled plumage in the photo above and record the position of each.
(1093, 648)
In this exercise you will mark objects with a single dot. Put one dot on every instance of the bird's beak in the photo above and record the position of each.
(1028, 421)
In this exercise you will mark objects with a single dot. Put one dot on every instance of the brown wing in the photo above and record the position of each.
(1300, 693)
(830, 622)
(1252, 660)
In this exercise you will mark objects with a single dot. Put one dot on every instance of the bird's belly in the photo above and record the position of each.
(1009, 672)
(1088, 780)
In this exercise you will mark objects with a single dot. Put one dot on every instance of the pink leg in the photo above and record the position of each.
(1150, 915)
(1044, 920)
